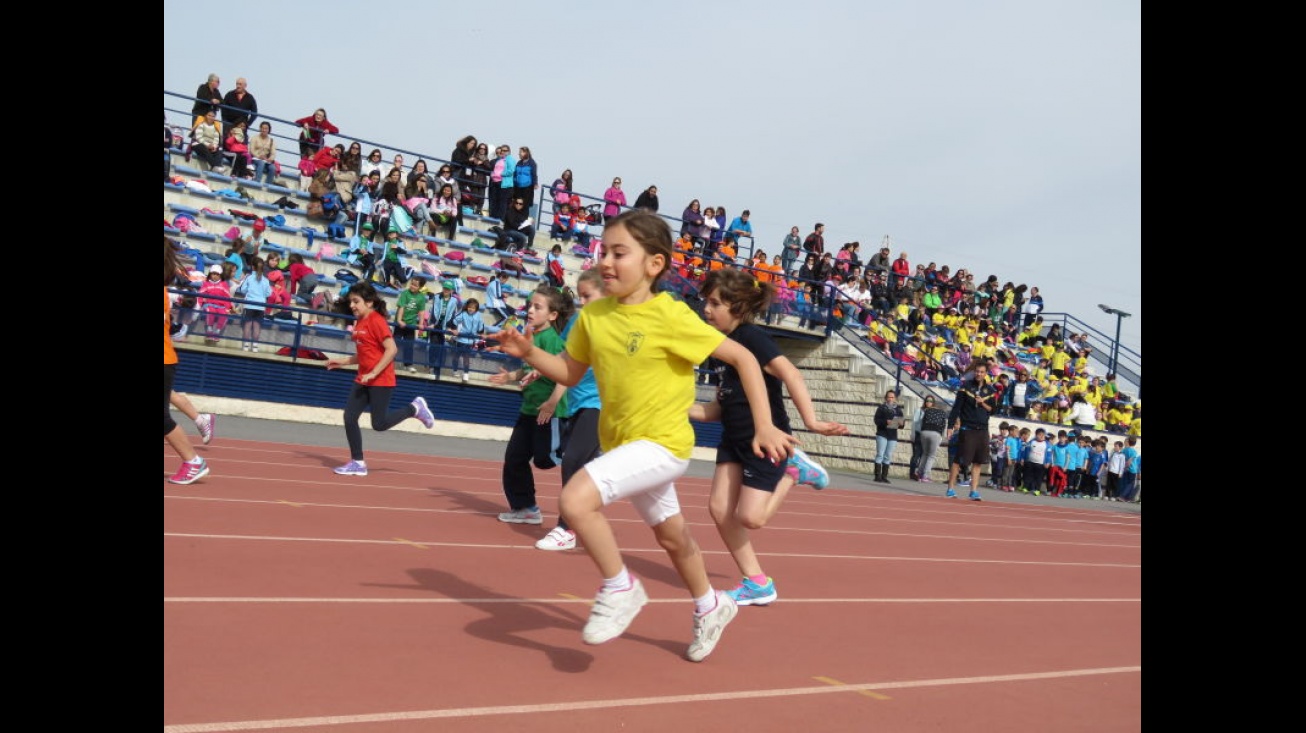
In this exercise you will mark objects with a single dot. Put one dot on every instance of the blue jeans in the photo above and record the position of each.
(884, 449)
(264, 171)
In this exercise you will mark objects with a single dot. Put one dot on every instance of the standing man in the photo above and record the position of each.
(207, 97)
(969, 420)
(239, 106)
(815, 241)
(741, 228)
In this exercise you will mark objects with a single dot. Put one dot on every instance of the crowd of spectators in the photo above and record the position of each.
(930, 319)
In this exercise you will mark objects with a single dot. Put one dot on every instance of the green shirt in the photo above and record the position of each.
(538, 391)
(409, 306)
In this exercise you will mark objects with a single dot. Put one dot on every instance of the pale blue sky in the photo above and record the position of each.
(1004, 137)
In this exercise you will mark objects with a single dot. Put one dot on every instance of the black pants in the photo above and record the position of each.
(404, 336)
(579, 444)
(530, 444)
(169, 376)
(377, 401)
(436, 356)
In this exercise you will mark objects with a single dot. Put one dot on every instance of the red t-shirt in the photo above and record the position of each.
(370, 333)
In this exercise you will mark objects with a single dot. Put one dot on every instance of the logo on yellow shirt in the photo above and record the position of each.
(633, 343)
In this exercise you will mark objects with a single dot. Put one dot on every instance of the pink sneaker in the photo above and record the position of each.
(189, 472)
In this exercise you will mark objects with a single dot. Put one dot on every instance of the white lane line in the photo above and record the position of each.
(475, 712)
(656, 550)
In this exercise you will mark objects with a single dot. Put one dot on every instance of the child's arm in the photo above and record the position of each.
(504, 376)
(706, 411)
(768, 440)
(548, 407)
(561, 368)
(784, 370)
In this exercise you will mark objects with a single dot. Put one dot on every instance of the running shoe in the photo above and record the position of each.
(353, 468)
(557, 539)
(709, 627)
(189, 472)
(206, 421)
(423, 412)
(951, 493)
(807, 471)
(522, 516)
(749, 593)
(974, 495)
(613, 611)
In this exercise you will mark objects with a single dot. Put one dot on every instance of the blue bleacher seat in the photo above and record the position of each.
(186, 170)
(218, 177)
(483, 268)
(219, 217)
(206, 236)
(283, 229)
(273, 247)
(183, 209)
(202, 194)
(281, 190)
(266, 206)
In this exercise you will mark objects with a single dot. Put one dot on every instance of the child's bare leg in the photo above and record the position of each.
(180, 401)
(178, 441)
(756, 507)
(582, 507)
(723, 506)
(673, 535)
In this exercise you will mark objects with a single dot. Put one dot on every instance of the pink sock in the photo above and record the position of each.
(758, 579)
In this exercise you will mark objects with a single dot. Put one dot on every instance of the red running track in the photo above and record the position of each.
(297, 599)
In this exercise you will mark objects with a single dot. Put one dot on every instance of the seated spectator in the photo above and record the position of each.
(263, 149)
(236, 144)
(518, 227)
(444, 211)
(207, 145)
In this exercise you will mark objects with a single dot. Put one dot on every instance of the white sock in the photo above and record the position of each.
(705, 603)
(621, 581)
(197, 460)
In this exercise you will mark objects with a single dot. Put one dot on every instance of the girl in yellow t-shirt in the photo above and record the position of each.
(644, 347)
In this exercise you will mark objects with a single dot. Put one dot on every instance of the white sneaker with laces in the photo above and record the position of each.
(205, 422)
(612, 612)
(557, 539)
(709, 626)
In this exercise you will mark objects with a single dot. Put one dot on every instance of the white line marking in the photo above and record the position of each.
(869, 533)
(655, 550)
(567, 598)
(475, 712)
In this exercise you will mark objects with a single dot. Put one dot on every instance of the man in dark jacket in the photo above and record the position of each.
(207, 97)
(239, 106)
(970, 420)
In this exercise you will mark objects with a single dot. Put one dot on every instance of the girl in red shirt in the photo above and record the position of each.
(375, 355)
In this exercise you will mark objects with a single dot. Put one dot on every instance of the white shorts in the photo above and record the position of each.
(643, 472)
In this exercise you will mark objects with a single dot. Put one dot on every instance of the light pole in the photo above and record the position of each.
(1115, 347)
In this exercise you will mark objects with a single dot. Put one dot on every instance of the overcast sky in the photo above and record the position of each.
(1003, 136)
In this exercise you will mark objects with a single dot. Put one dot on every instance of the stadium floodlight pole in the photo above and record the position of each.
(1115, 347)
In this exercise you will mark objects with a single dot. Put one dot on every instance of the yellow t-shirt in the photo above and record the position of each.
(1059, 360)
(1136, 427)
(644, 358)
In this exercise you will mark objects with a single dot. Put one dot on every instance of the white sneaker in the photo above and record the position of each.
(557, 539)
(467, 377)
(708, 627)
(244, 347)
(254, 348)
(204, 422)
(457, 374)
(522, 516)
(423, 413)
(612, 612)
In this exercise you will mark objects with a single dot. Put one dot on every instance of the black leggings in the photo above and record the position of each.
(169, 375)
(529, 444)
(377, 401)
(579, 445)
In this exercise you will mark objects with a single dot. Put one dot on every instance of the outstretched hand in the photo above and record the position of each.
(828, 428)
(774, 443)
(512, 342)
(501, 378)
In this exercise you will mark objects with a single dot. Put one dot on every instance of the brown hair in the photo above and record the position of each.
(746, 297)
(649, 230)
